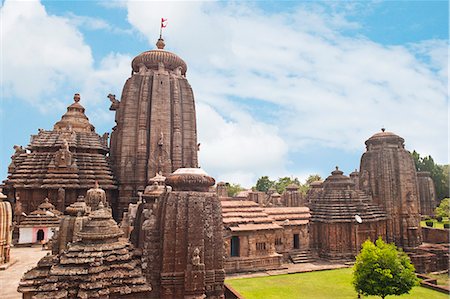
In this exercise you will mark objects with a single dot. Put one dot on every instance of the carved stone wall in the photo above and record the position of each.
(156, 125)
(388, 174)
(427, 193)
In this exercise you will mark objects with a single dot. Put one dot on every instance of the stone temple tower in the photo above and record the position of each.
(156, 125)
(387, 173)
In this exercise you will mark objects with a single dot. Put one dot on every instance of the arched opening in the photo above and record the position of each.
(40, 235)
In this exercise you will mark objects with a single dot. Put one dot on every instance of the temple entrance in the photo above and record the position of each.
(296, 242)
(40, 235)
(234, 246)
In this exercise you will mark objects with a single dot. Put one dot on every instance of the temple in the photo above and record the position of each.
(60, 164)
(388, 174)
(155, 123)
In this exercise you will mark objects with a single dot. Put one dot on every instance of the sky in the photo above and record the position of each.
(281, 88)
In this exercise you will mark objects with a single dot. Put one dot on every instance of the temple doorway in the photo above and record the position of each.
(40, 235)
(235, 246)
(296, 242)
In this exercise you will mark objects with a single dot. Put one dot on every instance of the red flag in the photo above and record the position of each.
(163, 23)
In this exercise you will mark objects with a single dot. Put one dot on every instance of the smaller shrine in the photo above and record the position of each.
(5, 229)
(71, 224)
(427, 193)
(40, 225)
(100, 265)
(343, 218)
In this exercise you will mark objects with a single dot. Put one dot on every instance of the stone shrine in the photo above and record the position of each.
(179, 231)
(98, 266)
(155, 123)
(388, 174)
(343, 218)
(60, 164)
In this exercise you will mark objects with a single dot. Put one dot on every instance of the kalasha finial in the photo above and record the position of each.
(76, 97)
(383, 129)
(337, 167)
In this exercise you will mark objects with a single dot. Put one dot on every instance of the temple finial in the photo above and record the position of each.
(383, 129)
(76, 97)
(160, 43)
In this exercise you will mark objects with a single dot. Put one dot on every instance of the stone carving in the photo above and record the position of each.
(165, 102)
(114, 102)
(95, 196)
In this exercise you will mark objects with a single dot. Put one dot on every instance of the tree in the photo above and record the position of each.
(282, 183)
(439, 173)
(263, 184)
(382, 270)
(233, 189)
(443, 210)
(311, 178)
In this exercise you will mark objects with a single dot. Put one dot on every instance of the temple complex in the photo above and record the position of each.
(40, 225)
(5, 229)
(60, 164)
(343, 218)
(388, 174)
(98, 266)
(427, 193)
(155, 123)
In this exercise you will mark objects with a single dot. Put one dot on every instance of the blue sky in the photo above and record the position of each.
(282, 88)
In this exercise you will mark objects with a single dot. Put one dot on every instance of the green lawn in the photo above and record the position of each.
(436, 223)
(331, 284)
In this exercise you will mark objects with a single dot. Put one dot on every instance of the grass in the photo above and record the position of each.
(335, 284)
(436, 223)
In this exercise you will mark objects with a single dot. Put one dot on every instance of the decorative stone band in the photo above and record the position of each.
(190, 179)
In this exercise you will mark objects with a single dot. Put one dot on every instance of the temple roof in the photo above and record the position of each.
(151, 59)
(338, 201)
(45, 215)
(383, 136)
(74, 119)
(37, 170)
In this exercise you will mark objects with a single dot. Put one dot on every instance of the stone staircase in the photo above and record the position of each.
(301, 256)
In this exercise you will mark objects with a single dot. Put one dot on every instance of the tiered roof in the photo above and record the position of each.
(286, 216)
(244, 215)
(98, 265)
(73, 142)
(45, 215)
(338, 201)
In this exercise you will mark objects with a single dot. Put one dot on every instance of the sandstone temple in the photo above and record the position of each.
(180, 232)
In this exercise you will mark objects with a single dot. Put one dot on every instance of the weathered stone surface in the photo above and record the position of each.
(335, 231)
(60, 164)
(156, 126)
(97, 266)
(427, 193)
(180, 236)
(388, 174)
(5, 229)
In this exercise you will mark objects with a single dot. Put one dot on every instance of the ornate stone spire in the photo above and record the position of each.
(74, 119)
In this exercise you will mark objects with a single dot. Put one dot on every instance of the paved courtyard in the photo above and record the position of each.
(22, 260)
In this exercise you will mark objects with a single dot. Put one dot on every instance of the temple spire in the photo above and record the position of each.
(160, 43)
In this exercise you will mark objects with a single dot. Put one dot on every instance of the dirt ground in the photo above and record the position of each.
(22, 260)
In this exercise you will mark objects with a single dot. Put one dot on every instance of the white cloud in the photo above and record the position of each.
(43, 53)
(322, 87)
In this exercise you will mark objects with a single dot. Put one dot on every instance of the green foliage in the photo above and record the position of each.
(439, 173)
(443, 210)
(234, 189)
(263, 184)
(382, 270)
(282, 183)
